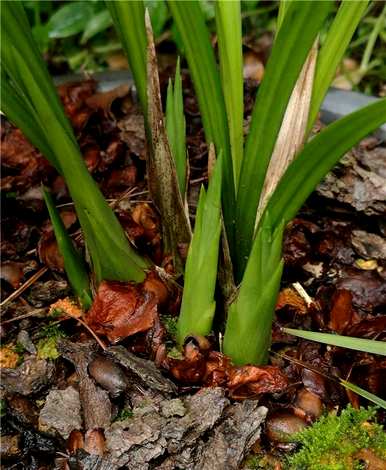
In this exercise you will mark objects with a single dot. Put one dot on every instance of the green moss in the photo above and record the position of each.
(46, 347)
(3, 408)
(124, 414)
(170, 323)
(332, 442)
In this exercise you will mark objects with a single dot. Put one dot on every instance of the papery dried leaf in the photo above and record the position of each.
(248, 381)
(161, 170)
(121, 310)
(132, 133)
(120, 180)
(290, 298)
(192, 368)
(342, 313)
(74, 96)
(217, 366)
(49, 253)
(293, 129)
(75, 441)
(19, 155)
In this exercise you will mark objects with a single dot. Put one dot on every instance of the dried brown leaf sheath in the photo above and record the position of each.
(161, 170)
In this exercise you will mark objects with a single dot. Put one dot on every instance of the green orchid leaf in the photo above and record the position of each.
(199, 53)
(358, 344)
(319, 156)
(176, 128)
(129, 22)
(198, 304)
(228, 25)
(293, 42)
(331, 54)
(74, 264)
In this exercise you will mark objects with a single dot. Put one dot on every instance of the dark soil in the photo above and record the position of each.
(131, 401)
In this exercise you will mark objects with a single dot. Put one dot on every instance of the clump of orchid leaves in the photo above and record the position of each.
(258, 182)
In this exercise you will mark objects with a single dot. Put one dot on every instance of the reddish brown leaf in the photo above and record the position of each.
(121, 310)
(250, 380)
(122, 179)
(369, 327)
(342, 314)
(192, 368)
(74, 96)
(48, 251)
(290, 298)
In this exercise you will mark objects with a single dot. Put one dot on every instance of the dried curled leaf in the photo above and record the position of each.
(202, 366)
(290, 298)
(121, 310)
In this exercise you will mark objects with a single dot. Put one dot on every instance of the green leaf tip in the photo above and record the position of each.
(198, 304)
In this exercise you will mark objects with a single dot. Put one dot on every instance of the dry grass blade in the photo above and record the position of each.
(162, 175)
(25, 286)
(293, 129)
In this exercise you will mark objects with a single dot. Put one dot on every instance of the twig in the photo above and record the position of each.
(24, 286)
(95, 336)
(302, 292)
(25, 315)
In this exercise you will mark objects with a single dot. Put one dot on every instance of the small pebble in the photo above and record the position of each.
(109, 375)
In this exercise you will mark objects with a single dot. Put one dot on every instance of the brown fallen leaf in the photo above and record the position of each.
(373, 462)
(247, 381)
(120, 310)
(342, 313)
(49, 253)
(74, 96)
(202, 366)
(290, 298)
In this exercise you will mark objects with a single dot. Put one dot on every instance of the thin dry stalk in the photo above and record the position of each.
(24, 286)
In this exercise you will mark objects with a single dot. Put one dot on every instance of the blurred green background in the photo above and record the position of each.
(77, 36)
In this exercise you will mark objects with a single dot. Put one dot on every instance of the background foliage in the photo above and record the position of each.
(78, 36)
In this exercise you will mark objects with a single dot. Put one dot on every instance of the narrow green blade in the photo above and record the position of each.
(176, 128)
(206, 79)
(229, 34)
(358, 344)
(294, 40)
(73, 263)
(331, 54)
(319, 156)
(198, 304)
(129, 22)
(364, 393)
(43, 115)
